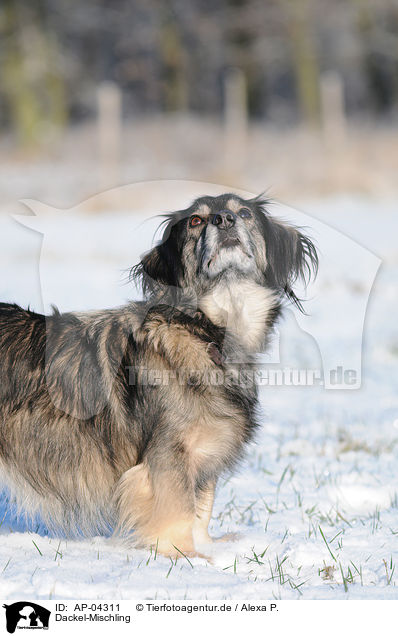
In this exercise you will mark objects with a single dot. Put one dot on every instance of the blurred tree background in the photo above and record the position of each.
(173, 57)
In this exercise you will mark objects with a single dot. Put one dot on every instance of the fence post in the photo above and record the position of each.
(109, 101)
(333, 111)
(235, 120)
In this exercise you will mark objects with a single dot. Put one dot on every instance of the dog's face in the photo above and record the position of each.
(224, 237)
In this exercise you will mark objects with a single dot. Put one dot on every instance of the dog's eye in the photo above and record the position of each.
(245, 213)
(195, 220)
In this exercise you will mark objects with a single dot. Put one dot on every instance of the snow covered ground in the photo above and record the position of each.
(316, 502)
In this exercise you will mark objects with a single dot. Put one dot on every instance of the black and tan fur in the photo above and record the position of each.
(88, 442)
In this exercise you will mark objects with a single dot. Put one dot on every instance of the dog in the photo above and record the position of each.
(125, 419)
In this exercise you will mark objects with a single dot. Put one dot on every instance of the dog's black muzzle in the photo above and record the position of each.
(224, 220)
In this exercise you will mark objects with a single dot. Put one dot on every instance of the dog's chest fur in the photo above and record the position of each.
(214, 419)
(245, 309)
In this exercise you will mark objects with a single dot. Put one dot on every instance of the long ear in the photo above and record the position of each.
(160, 267)
(290, 256)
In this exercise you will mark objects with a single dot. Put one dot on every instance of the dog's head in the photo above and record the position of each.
(224, 237)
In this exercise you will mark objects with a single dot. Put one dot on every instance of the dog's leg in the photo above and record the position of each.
(159, 507)
(204, 506)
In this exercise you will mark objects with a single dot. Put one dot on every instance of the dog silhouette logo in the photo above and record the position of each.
(26, 615)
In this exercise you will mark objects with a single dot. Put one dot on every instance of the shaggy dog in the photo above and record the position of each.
(126, 418)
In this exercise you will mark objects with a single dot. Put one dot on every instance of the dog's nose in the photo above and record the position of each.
(224, 219)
